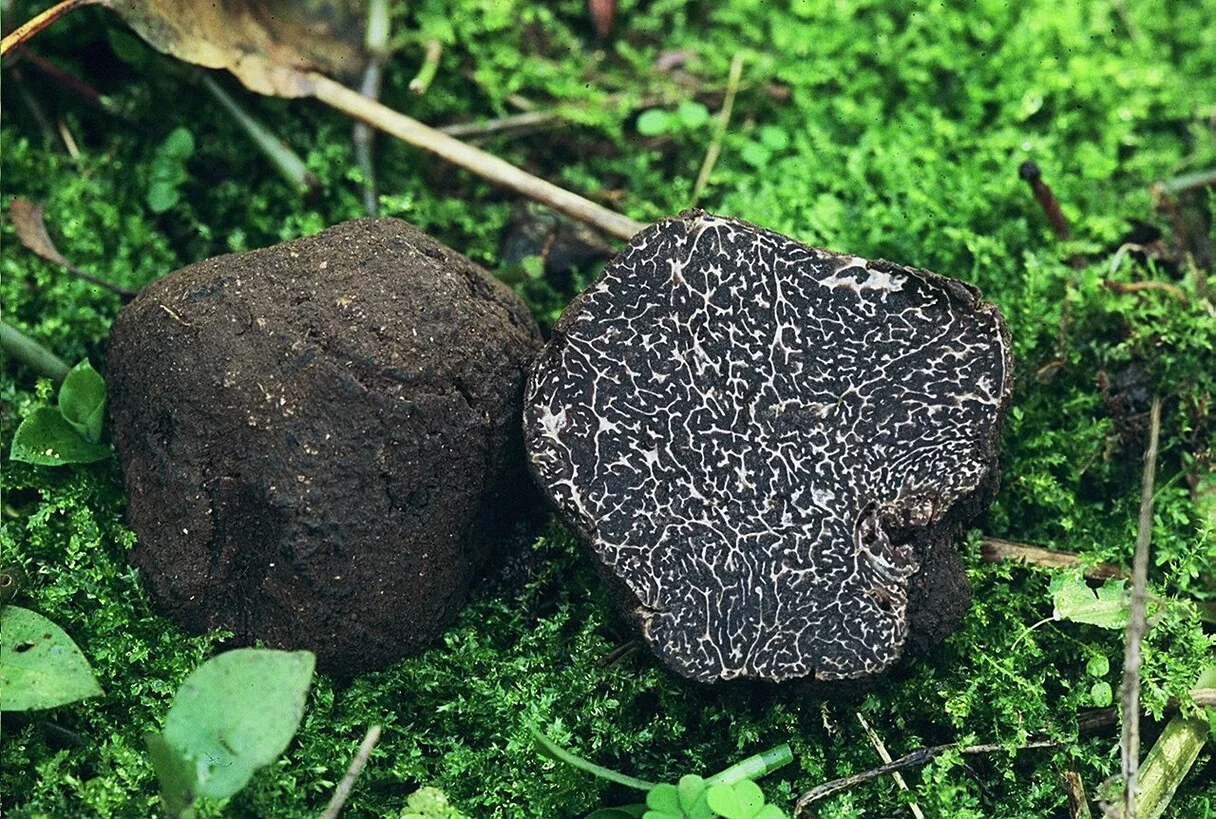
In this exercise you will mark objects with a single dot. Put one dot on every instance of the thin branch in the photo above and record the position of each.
(40, 21)
(1136, 620)
(916, 758)
(473, 159)
(1204, 696)
(352, 773)
(998, 550)
(885, 756)
(715, 145)
(511, 122)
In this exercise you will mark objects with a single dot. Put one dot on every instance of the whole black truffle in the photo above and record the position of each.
(320, 439)
(770, 448)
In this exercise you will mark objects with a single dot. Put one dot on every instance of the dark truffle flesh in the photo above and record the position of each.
(321, 439)
(770, 449)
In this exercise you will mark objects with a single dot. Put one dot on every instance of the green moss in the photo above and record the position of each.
(880, 128)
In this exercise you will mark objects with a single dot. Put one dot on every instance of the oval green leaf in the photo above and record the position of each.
(45, 438)
(82, 401)
(653, 121)
(742, 800)
(40, 666)
(237, 712)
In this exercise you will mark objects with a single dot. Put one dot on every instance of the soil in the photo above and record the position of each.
(320, 440)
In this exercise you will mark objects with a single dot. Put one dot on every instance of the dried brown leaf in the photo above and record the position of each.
(31, 230)
(270, 45)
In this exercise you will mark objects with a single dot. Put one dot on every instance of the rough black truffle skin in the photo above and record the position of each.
(770, 448)
(320, 439)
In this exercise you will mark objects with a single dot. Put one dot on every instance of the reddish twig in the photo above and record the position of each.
(1029, 171)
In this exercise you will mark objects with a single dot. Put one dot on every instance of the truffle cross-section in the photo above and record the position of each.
(763, 444)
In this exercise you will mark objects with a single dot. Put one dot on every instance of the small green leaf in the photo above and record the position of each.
(742, 800)
(162, 196)
(177, 772)
(692, 114)
(40, 666)
(774, 138)
(653, 122)
(45, 438)
(692, 790)
(1098, 666)
(663, 800)
(236, 713)
(1101, 694)
(82, 400)
(429, 803)
(178, 145)
(755, 154)
(1077, 602)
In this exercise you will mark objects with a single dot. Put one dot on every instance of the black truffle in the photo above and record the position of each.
(770, 448)
(321, 439)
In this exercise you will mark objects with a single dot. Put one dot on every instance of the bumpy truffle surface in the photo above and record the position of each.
(320, 439)
(762, 443)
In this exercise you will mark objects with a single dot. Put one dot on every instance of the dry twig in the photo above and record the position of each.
(1078, 803)
(885, 756)
(486, 165)
(1136, 619)
(921, 756)
(352, 773)
(997, 550)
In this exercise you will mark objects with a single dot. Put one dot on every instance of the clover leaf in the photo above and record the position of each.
(742, 800)
(687, 800)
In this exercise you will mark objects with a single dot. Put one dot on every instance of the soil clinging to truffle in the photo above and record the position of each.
(320, 439)
(770, 448)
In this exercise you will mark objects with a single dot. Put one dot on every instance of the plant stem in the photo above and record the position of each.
(478, 161)
(715, 145)
(754, 767)
(32, 354)
(559, 753)
(1136, 619)
(1187, 181)
(352, 773)
(362, 136)
(1171, 758)
(429, 68)
(287, 161)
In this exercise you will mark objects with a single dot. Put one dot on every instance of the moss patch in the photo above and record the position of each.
(885, 130)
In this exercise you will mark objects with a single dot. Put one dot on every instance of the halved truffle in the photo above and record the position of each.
(770, 448)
